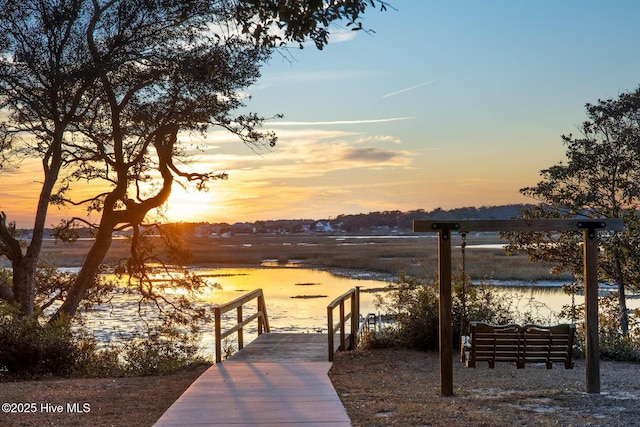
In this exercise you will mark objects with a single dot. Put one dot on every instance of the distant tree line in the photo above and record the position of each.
(402, 221)
(379, 221)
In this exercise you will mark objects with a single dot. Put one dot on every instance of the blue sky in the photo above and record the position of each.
(448, 104)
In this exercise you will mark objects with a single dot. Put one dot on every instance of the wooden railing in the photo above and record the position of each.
(260, 315)
(347, 342)
(369, 323)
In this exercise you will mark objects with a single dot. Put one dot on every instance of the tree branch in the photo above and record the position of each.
(10, 245)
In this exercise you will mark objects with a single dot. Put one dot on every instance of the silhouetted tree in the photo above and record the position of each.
(102, 90)
(600, 179)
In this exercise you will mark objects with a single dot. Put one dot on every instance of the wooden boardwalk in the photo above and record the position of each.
(277, 380)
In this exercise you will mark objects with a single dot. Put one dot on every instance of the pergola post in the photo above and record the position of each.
(444, 228)
(445, 309)
(592, 341)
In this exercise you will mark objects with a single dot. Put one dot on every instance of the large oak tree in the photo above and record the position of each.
(100, 91)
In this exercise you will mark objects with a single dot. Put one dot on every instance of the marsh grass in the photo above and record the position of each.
(410, 256)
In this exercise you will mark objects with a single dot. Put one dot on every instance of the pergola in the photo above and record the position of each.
(589, 229)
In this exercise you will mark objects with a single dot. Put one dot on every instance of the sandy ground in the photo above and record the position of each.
(134, 401)
(402, 388)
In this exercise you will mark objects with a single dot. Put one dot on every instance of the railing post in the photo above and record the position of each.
(267, 328)
(238, 303)
(263, 320)
(330, 332)
(240, 335)
(342, 336)
(355, 317)
(261, 317)
(218, 333)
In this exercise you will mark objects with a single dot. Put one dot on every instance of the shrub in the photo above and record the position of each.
(158, 355)
(613, 344)
(104, 362)
(154, 353)
(388, 337)
(413, 303)
(31, 349)
(28, 348)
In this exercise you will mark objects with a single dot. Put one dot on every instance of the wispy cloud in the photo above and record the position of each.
(303, 153)
(369, 155)
(378, 138)
(340, 122)
(342, 35)
(408, 89)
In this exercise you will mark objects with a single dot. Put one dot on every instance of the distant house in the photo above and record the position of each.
(323, 227)
(242, 228)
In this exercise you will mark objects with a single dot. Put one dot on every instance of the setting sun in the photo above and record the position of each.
(391, 128)
(189, 205)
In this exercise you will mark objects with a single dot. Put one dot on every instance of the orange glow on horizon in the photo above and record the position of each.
(189, 205)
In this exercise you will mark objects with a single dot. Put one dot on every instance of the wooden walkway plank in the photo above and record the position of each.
(259, 394)
(279, 389)
(276, 347)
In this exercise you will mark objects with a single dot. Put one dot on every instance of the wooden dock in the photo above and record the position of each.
(278, 379)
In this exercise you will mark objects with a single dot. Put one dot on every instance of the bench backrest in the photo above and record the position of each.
(494, 343)
(520, 344)
(547, 344)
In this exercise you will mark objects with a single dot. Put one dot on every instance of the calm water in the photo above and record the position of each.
(296, 301)
(304, 315)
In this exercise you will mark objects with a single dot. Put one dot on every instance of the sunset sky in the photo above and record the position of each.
(448, 104)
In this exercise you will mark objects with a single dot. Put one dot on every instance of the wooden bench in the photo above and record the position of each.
(519, 344)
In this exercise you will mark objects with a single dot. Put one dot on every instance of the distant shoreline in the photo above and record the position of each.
(382, 256)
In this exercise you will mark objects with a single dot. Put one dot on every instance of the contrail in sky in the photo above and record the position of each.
(339, 122)
(408, 89)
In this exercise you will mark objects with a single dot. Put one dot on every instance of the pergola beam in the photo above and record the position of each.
(588, 227)
(518, 225)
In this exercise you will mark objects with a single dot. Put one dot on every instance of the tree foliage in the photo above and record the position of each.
(102, 92)
(600, 179)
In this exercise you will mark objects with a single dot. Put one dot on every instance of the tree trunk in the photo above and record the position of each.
(622, 299)
(134, 214)
(24, 282)
(24, 268)
(86, 276)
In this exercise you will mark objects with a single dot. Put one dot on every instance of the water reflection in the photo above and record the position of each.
(296, 301)
(297, 298)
